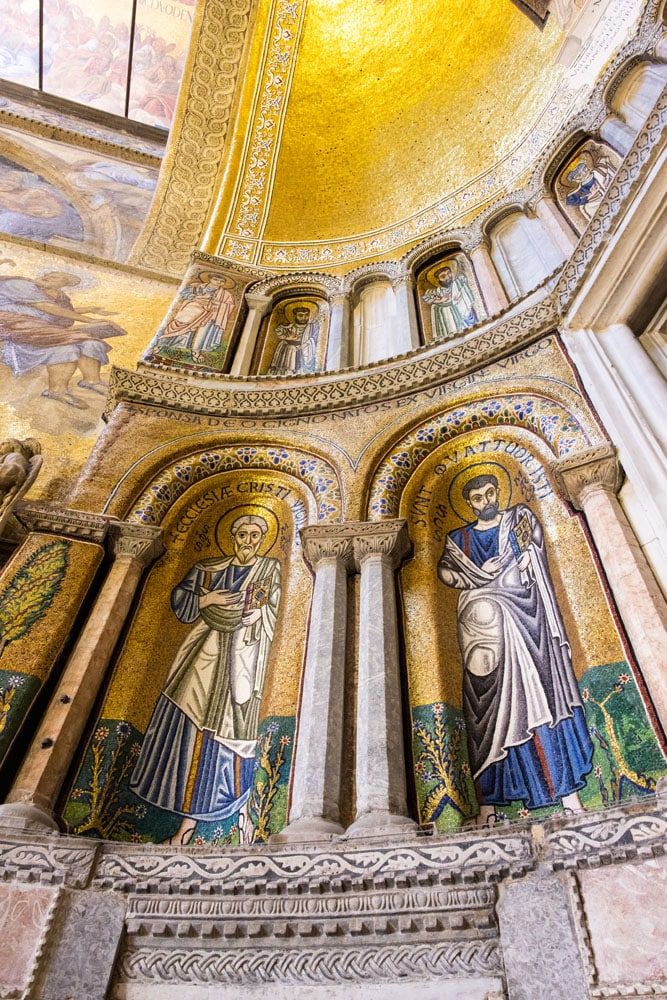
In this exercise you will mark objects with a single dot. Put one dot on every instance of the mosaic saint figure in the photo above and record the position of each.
(452, 303)
(40, 326)
(201, 317)
(197, 757)
(296, 351)
(527, 733)
(586, 181)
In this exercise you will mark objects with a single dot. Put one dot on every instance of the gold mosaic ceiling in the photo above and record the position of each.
(374, 122)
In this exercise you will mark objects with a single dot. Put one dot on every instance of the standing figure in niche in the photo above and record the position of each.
(527, 733)
(199, 321)
(452, 303)
(296, 352)
(197, 757)
(588, 180)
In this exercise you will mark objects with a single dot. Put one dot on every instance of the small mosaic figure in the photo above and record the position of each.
(452, 302)
(296, 351)
(582, 183)
(199, 322)
(527, 733)
(197, 757)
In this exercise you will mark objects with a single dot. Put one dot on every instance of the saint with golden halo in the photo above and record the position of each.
(296, 351)
(527, 735)
(200, 319)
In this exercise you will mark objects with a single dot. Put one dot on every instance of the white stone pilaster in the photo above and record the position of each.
(381, 790)
(590, 481)
(408, 336)
(553, 220)
(258, 306)
(493, 292)
(617, 133)
(338, 346)
(314, 812)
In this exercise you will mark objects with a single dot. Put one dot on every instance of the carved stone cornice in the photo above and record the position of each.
(260, 303)
(324, 542)
(329, 284)
(383, 539)
(141, 543)
(408, 279)
(588, 472)
(56, 520)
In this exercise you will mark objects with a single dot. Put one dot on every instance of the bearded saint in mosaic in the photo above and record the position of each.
(527, 733)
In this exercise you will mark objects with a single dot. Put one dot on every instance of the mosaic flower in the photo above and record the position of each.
(491, 407)
(524, 813)
(548, 425)
(285, 741)
(101, 733)
(123, 730)
(597, 771)
(566, 445)
(623, 679)
(426, 434)
(402, 460)
(585, 694)
(210, 459)
(246, 454)
(183, 472)
(307, 465)
(523, 408)
(277, 455)
(15, 681)
(199, 841)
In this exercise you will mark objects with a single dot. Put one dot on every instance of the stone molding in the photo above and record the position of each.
(140, 543)
(588, 471)
(56, 520)
(384, 539)
(260, 303)
(325, 542)
(275, 284)
(47, 859)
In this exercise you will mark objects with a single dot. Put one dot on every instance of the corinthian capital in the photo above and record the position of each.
(382, 538)
(328, 541)
(587, 472)
(141, 543)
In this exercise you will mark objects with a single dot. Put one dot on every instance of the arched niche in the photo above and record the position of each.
(472, 666)
(524, 253)
(198, 720)
(294, 336)
(449, 297)
(582, 179)
(634, 97)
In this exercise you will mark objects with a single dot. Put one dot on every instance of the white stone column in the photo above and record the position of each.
(493, 292)
(32, 798)
(553, 220)
(617, 133)
(408, 336)
(314, 812)
(622, 412)
(590, 481)
(258, 306)
(381, 788)
(338, 346)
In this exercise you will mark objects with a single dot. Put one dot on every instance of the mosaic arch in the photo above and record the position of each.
(318, 476)
(549, 420)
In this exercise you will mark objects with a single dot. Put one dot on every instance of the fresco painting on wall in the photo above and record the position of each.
(295, 338)
(529, 704)
(581, 184)
(32, 207)
(449, 299)
(200, 324)
(194, 741)
(19, 47)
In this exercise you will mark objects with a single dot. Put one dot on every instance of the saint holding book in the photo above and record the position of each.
(527, 734)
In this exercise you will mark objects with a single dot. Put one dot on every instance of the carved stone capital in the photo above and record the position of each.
(328, 541)
(141, 543)
(479, 242)
(407, 280)
(339, 299)
(587, 472)
(388, 539)
(46, 516)
(260, 303)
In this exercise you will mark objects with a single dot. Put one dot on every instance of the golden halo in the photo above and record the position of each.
(290, 308)
(460, 505)
(583, 157)
(223, 279)
(454, 262)
(223, 534)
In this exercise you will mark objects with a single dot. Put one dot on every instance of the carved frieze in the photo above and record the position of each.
(51, 517)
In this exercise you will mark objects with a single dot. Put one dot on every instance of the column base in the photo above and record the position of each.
(380, 824)
(26, 816)
(308, 830)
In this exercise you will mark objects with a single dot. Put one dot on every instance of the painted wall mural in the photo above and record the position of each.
(582, 182)
(449, 298)
(524, 696)
(200, 325)
(54, 193)
(194, 740)
(61, 324)
(295, 339)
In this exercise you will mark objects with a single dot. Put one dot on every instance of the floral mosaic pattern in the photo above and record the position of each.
(318, 475)
(549, 420)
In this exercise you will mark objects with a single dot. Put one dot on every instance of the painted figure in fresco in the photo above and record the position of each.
(39, 325)
(452, 302)
(587, 180)
(296, 351)
(199, 321)
(527, 733)
(197, 755)
(31, 207)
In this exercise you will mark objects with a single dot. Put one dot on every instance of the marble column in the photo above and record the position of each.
(38, 783)
(617, 133)
(381, 789)
(590, 480)
(338, 346)
(493, 293)
(258, 306)
(553, 220)
(314, 812)
(407, 324)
